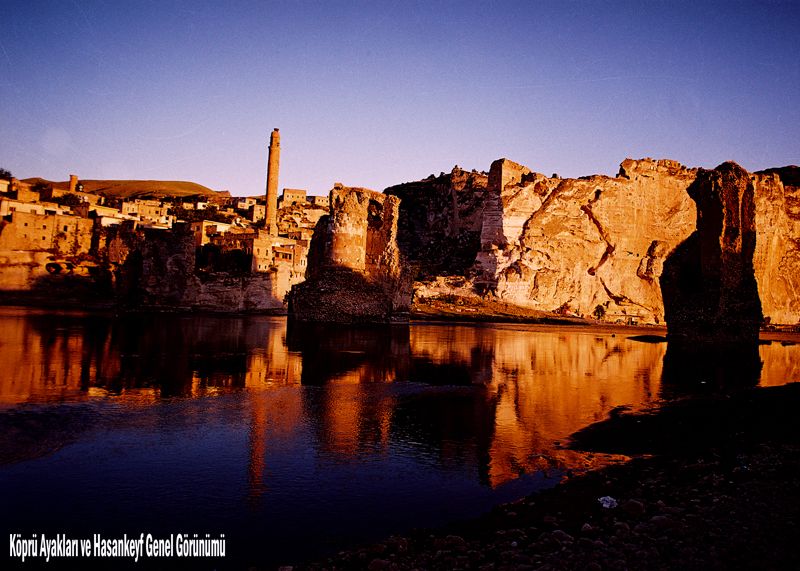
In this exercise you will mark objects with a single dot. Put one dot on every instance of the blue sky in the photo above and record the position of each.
(373, 94)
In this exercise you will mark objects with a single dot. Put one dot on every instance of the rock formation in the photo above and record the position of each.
(592, 246)
(354, 271)
(777, 254)
(571, 245)
(708, 283)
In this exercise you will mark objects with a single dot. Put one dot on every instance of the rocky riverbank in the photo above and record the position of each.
(717, 489)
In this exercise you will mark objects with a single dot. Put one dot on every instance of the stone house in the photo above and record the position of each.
(148, 211)
(67, 235)
(292, 196)
(205, 229)
(320, 201)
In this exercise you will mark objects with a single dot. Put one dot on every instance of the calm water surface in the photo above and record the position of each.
(294, 442)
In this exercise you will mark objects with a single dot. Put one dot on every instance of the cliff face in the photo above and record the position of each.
(594, 245)
(440, 221)
(777, 254)
(571, 245)
(354, 270)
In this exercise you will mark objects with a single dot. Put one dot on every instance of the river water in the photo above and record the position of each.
(298, 441)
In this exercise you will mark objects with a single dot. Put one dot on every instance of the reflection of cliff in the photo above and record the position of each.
(545, 384)
(496, 398)
(348, 417)
(352, 354)
(491, 399)
(690, 370)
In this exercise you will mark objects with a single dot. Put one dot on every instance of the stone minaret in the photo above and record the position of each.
(272, 182)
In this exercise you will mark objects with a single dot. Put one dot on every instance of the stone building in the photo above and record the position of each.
(8, 206)
(245, 203)
(63, 234)
(25, 193)
(257, 213)
(152, 211)
(205, 229)
(51, 193)
(320, 201)
(292, 196)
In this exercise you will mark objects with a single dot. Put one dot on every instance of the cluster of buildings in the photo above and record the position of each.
(266, 234)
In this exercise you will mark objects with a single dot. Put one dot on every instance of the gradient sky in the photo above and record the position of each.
(374, 94)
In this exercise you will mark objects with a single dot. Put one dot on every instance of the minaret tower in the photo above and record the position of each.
(272, 182)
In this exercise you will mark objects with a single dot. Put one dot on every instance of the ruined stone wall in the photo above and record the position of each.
(21, 269)
(382, 255)
(348, 227)
(65, 235)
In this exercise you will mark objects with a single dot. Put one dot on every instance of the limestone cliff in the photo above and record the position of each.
(592, 246)
(777, 254)
(571, 245)
(354, 270)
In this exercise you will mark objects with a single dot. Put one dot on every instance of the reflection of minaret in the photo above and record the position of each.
(272, 182)
(258, 447)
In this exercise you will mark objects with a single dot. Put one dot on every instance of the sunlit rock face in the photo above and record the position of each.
(777, 252)
(571, 245)
(709, 284)
(354, 270)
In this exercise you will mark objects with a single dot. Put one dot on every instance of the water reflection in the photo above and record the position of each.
(691, 370)
(521, 388)
(270, 429)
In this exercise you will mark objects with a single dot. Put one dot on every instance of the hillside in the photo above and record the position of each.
(136, 188)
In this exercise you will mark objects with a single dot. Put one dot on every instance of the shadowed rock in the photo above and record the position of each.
(708, 284)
